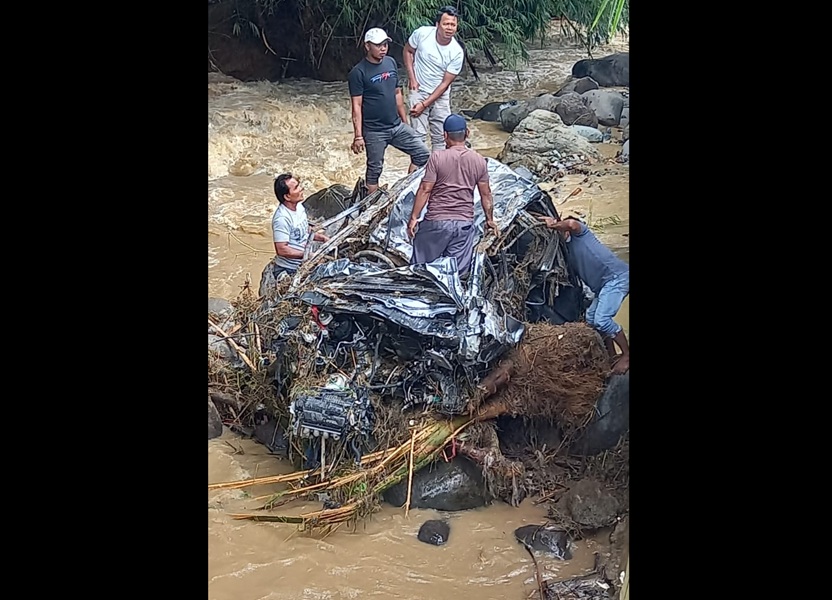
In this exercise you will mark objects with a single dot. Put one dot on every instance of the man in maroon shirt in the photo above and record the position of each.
(448, 189)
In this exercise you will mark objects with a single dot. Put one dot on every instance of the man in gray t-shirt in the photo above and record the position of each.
(290, 227)
(448, 190)
(606, 275)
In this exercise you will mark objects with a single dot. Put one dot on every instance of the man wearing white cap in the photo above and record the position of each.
(433, 59)
(379, 118)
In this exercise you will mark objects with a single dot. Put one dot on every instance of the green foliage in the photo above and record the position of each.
(504, 27)
(611, 11)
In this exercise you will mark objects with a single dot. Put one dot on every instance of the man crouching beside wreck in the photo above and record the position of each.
(606, 275)
(290, 226)
(448, 189)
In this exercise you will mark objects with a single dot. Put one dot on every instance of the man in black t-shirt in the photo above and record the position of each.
(379, 118)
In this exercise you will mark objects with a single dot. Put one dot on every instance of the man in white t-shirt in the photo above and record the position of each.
(433, 59)
(290, 226)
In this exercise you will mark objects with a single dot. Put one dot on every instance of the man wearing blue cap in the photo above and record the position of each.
(448, 190)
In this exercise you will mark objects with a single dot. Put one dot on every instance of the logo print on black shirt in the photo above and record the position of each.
(382, 76)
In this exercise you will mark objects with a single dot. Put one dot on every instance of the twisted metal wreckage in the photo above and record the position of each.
(358, 323)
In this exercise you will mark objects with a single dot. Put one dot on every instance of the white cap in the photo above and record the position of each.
(376, 35)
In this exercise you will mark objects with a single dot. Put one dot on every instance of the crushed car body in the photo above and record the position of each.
(358, 322)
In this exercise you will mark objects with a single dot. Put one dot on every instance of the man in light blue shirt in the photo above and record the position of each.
(606, 275)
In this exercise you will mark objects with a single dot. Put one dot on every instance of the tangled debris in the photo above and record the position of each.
(360, 350)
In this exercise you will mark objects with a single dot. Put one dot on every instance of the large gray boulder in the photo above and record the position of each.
(542, 538)
(573, 110)
(609, 71)
(455, 485)
(589, 504)
(606, 104)
(590, 133)
(544, 102)
(579, 86)
(625, 117)
(510, 117)
(611, 419)
(220, 347)
(625, 152)
(220, 307)
(540, 140)
(214, 421)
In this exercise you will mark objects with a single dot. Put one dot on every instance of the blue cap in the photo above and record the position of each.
(455, 123)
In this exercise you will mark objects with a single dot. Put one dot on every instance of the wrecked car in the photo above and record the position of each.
(357, 328)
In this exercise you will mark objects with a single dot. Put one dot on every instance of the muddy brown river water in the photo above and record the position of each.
(255, 131)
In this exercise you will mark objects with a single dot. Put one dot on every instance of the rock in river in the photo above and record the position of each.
(455, 485)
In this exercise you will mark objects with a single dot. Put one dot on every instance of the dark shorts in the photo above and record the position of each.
(444, 238)
(277, 270)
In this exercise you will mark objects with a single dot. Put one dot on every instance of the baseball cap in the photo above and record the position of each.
(455, 123)
(376, 35)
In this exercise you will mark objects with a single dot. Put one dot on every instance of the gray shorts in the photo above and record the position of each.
(433, 118)
(444, 238)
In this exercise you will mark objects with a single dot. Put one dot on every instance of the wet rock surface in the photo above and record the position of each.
(607, 106)
(510, 118)
(516, 434)
(451, 486)
(540, 538)
(610, 71)
(269, 432)
(220, 307)
(542, 138)
(590, 505)
(611, 420)
(489, 112)
(573, 111)
(434, 532)
(214, 421)
(590, 133)
(220, 346)
(328, 202)
(579, 86)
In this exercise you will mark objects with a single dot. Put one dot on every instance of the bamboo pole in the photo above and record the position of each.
(625, 587)
(410, 474)
(287, 478)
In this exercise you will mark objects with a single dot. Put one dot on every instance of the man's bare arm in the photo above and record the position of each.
(567, 225)
(422, 195)
(446, 82)
(408, 56)
(283, 249)
(400, 105)
(487, 201)
(357, 124)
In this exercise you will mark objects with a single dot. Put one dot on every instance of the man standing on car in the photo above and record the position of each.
(378, 115)
(448, 189)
